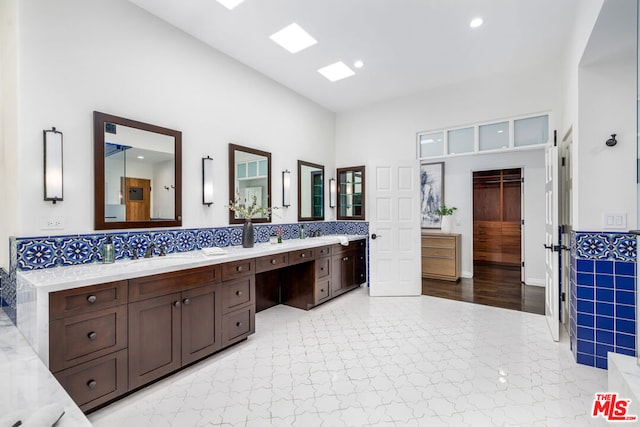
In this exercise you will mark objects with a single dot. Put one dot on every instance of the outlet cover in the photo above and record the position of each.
(614, 221)
(52, 223)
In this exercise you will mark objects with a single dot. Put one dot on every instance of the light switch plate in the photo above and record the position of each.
(614, 221)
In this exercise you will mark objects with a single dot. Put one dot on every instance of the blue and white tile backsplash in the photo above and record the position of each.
(602, 296)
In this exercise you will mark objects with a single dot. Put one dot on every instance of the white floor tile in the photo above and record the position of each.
(360, 361)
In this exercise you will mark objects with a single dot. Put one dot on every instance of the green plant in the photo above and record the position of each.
(445, 211)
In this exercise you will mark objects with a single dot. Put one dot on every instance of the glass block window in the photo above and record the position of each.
(531, 131)
(460, 140)
(494, 136)
(432, 144)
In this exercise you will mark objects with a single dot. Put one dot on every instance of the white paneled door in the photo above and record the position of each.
(552, 277)
(394, 224)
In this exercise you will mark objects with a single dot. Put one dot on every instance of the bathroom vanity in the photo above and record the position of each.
(105, 330)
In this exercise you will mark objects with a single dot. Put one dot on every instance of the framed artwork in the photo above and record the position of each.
(431, 193)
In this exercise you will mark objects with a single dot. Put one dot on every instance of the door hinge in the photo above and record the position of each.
(564, 160)
(523, 263)
(522, 221)
(563, 297)
(555, 138)
(522, 180)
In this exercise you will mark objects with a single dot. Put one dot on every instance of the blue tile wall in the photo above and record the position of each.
(602, 298)
(32, 253)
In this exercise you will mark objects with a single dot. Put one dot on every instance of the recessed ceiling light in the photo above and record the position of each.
(336, 71)
(476, 22)
(293, 38)
(358, 64)
(141, 157)
(230, 4)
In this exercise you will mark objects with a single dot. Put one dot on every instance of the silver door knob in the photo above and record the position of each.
(374, 236)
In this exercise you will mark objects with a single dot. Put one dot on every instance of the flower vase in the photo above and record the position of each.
(247, 234)
(445, 223)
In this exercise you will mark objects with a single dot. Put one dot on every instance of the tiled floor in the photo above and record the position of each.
(420, 361)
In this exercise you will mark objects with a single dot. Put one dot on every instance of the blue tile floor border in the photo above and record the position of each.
(602, 296)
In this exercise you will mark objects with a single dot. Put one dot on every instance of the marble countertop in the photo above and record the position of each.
(27, 388)
(56, 279)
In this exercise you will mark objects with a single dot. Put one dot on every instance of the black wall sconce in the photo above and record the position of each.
(611, 141)
(207, 181)
(52, 165)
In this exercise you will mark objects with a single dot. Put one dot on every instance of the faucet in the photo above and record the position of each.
(149, 252)
(316, 233)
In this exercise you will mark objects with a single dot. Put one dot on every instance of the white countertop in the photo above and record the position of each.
(27, 388)
(56, 279)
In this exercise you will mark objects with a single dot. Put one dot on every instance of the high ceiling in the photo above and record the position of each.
(407, 46)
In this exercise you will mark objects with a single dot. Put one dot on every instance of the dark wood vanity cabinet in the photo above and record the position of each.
(108, 339)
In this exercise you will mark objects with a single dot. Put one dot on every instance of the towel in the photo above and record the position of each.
(344, 240)
(213, 251)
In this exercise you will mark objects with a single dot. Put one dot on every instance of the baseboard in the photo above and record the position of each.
(535, 282)
(466, 275)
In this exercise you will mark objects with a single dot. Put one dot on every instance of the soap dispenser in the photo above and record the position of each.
(302, 236)
(108, 252)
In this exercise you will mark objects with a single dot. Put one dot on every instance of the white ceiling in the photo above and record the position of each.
(407, 46)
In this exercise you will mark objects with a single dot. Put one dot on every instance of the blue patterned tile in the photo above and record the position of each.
(351, 228)
(222, 237)
(165, 239)
(77, 251)
(362, 228)
(185, 241)
(341, 228)
(262, 234)
(138, 242)
(205, 238)
(592, 246)
(38, 254)
(624, 247)
(235, 235)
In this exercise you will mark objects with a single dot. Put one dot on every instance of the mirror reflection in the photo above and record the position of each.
(351, 193)
(249, 180)
(310, 191)
(137, 174)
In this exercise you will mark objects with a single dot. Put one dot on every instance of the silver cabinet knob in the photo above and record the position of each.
(91, 299)
(92, 335)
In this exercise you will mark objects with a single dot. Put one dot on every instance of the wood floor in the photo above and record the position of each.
(491, 285)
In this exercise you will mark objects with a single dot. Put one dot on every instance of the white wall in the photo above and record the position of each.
(607, 96)
(387, 131)
(162, 77)
(8, 125)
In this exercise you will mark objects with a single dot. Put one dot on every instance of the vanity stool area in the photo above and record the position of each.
(107, 330)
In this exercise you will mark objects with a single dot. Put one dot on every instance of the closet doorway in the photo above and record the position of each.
(497, 219)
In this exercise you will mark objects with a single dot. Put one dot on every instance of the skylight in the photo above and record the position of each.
(336, 71)
(230, 4)
(293, 38)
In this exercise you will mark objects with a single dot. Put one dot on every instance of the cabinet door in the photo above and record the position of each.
(342, 272)
(154, 338)
(201, 322)
(361, 264)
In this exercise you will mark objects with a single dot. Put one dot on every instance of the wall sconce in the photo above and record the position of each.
(611, 141)
(286, 188)
(207, 181)
(52, 165)
(333, 193)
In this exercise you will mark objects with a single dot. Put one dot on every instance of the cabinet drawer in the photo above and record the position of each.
(323, 251)
(439, 242)
(96, 382)
(303, 255)
(438, 252)
(323, 268)
(237, 269)
(439, 266)
(271, 262)
(238, 325)
(77, 339)
(322, 290)
(87, 299)
(167, 283)
(237, 293)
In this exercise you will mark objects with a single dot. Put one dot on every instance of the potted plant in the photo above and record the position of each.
(248, 212)
(445, 217)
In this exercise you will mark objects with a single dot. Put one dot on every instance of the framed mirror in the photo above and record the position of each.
(310, 191)
(137, 174)
(249, 180)
(351, 193)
